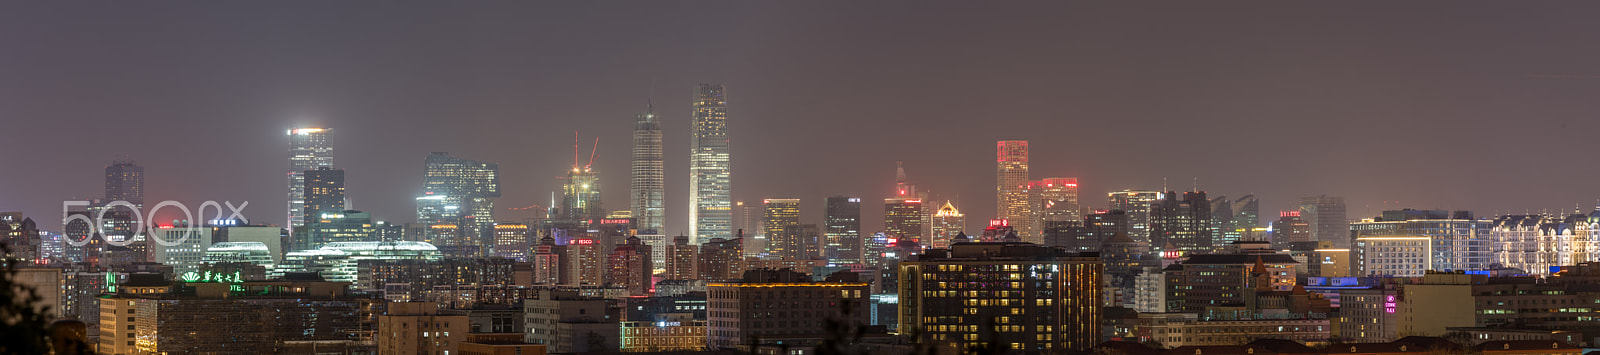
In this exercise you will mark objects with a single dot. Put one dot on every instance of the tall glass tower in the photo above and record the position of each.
(125, 182)
(309, 149)
(1011, 191)
(710, 168)
(842, 236)
(458, 195)
(647, 198)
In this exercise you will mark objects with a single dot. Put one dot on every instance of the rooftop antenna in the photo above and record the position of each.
(576, 159)
(1163, 184)
(1196, 184)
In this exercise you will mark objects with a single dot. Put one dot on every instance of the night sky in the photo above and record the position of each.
(1487, 106)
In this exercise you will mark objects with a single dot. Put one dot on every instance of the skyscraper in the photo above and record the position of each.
(125, 182)
(1290, 228)
(902, 218)
(1051, 304)
(1011, 194)
(1326, 216)
(781, 214)
(710, 168)
(460, 193)
(1054, 202)
(946, 224)
(580, 200)
(647, 198)
(324, 193)
(1184, 223)
(309, 148)
(843, 236)
(1137, 205)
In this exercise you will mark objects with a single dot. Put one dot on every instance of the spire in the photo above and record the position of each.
(899, 173)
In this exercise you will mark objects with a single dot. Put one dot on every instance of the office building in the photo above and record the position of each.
(584, 263)
(547, 262)
(732, 319)
(1325, 215)
(460, 193)
(21, 237)
(842, 239)
(902, 218)
(1137, 205)
(324, 193)
(1011, 190)
(336, 226)
(647, 196)
(1055, 200)
(125, 182)
(511, 241)
(947, 223)
(1290, 228)
(309, 149)
(1048, 299)
(1234, 220)
(1182, 221)
(1456, 241)
(781, 214)
(710, 167)
(1217, 280)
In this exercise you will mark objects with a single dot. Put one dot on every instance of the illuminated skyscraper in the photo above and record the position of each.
(783, 213)
(710, 168)
(946, 224)
(309, 148)
(1137, 205)
(125, 182)
(1055, 200)
(1011, 190)
(1183, 223)
(459, 193)
(324, 193)
(1326, 216)
(1290, 228)
(843, 235)
(647, 198)
(902, 218)
(511, 241)
(580, 201)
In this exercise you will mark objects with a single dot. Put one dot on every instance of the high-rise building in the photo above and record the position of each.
(902, 218)
(647, 198)
(324, 193)
(511, 241)
(717, 257)
(1246, 219)
(710, 167)
(1410, 242)
(460, 192)
(1137, 205)
(1184, 223)
(1290, 228)
(1055, 200)
(842, 219)
(1050, 302)
(337, 226)
(682, 260)
(1326, 216)
(547, 262)
(905, 189)
(570, 324)
(584, 263)
(946, 224)
(125, 182)
(309, 149)
(781, 214)
(629, 266)
(1011, 187)
(580, 199)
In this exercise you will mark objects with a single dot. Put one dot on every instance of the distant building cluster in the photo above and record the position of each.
(1150, 271)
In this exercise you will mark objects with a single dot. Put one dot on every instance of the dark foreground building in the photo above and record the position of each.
(1008, 296)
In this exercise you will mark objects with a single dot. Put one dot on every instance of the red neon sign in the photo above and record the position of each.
(614, 221)
(583, 241)
(999, 223)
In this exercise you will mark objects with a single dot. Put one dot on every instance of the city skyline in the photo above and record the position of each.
(244, 163)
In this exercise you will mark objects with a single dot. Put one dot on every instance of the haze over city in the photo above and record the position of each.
(1461, 107)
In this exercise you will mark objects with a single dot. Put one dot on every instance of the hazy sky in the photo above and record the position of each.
(1488, 106)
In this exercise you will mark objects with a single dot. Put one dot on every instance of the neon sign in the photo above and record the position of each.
(1388, 304)
(999, 223)
(583, 241)
(615, 221)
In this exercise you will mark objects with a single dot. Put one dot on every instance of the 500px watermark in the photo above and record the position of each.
(97, 224)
